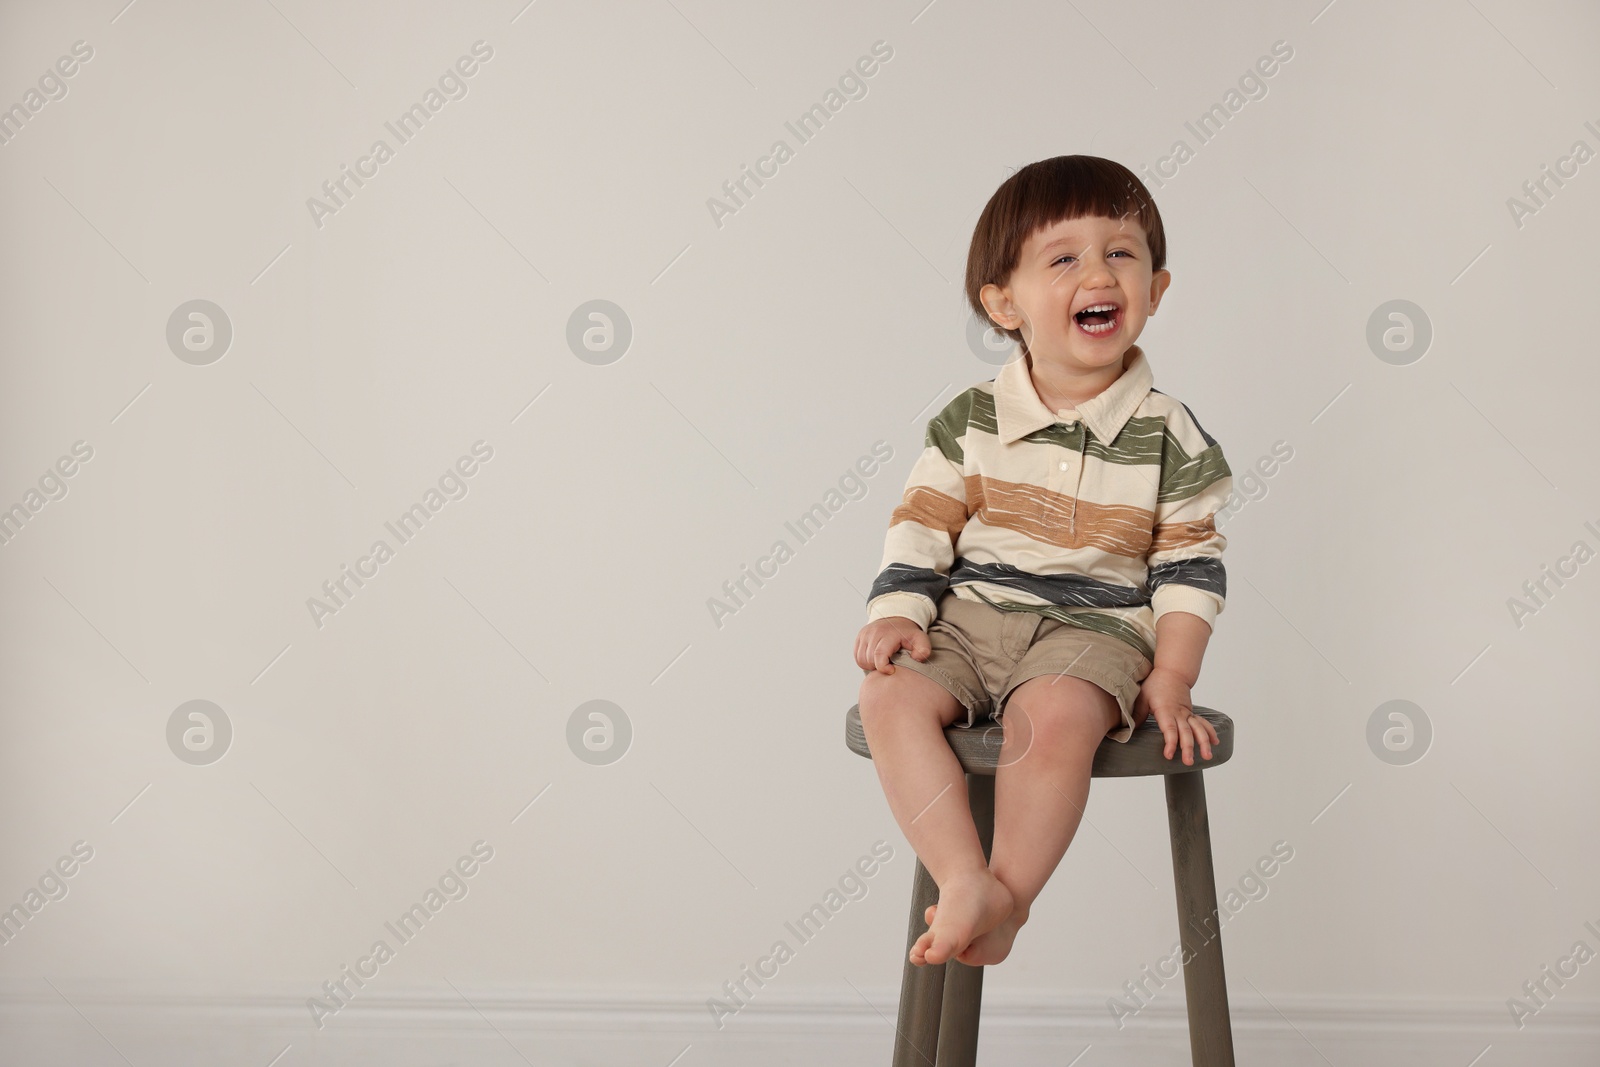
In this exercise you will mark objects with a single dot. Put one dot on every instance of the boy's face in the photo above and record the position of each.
(1072, 265)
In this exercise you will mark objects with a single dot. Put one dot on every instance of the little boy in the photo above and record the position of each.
(1055, 554)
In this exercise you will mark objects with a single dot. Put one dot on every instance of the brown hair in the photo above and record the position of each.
(1042, 194)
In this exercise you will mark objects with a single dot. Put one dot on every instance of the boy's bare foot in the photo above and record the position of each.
(992, 947)
(974, 904)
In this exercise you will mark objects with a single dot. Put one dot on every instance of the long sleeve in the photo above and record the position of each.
(1185, 557)
(920, 546)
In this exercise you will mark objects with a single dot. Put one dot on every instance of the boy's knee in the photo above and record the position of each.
(901, 693)
(1060, 706)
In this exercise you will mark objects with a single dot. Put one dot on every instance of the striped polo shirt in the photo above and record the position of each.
(1103, 516)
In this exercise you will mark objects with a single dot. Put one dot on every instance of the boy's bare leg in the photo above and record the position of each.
(1053, 725)
(904, 715)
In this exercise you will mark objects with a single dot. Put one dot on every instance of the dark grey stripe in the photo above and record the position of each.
(1067, 590)
(904, 578)
(1204, 573)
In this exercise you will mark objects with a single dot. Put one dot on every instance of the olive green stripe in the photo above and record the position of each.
(983, 416)
(1099, 621)
(1189, 475)
(1144, 441)
(1139, 443)
(1109, 625)
(946, 429)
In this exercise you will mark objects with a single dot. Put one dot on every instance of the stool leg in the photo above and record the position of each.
(1199, 925)
(963, 985)
(921, 988)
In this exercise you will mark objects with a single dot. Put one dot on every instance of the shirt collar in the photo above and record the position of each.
(1019, 411)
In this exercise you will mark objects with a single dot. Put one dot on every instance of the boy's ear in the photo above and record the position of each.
(1158, 286)
(996, 303)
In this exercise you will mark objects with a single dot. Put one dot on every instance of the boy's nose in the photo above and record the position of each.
(1096, 276)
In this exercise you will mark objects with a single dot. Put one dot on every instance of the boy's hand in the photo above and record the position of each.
(882, 638)
(1166, 694)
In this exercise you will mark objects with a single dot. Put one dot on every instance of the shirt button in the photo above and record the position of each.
(1064, 464)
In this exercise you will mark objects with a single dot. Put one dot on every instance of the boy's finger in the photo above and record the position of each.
(881, 656)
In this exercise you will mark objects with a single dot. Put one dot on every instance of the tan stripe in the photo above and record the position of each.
(1120, 529)
(1170, 535)
(931, 508)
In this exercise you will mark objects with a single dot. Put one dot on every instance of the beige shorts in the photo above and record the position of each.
(980, 654)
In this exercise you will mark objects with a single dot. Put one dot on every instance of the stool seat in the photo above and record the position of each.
(978, 747)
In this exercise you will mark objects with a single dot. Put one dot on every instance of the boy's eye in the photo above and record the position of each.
(1114, 252)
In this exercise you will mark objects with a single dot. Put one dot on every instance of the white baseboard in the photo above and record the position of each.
(70, 1021)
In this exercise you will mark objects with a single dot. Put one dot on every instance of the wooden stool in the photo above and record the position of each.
(939, 1005)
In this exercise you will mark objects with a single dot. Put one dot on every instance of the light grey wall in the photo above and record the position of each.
(371, 348)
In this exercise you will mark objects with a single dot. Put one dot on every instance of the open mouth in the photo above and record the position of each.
(1097, 320)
